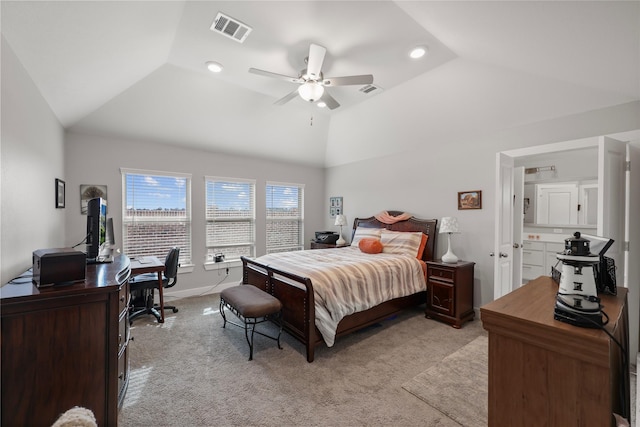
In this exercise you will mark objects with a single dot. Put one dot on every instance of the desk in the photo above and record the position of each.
(151, 265)
(546, 372)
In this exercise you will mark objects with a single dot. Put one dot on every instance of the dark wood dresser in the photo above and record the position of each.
(65, 346)
(546, 372)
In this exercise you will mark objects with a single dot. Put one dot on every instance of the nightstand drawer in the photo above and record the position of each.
(441, 274)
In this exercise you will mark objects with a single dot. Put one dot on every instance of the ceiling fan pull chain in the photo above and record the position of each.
(311, 121)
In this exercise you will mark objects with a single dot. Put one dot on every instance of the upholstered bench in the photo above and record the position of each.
(252, 306)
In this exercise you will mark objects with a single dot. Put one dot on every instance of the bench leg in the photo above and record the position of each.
(224, 318)
(246, 321)
(246, 325)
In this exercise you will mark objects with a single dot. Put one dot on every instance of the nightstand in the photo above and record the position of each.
(316, 245)
(450, 292)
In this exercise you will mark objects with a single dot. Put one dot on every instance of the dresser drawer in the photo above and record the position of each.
(123, 297)
(123, 375)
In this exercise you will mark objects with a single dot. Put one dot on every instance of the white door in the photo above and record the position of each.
(557, 203)
(612, 156)
(503, 246)
(518, 224)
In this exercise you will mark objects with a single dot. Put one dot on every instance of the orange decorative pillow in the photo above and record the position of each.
(423, 244)
(370, 246)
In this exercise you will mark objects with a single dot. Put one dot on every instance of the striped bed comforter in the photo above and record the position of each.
(346, 280)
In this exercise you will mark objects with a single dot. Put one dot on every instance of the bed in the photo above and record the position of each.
(298, 295)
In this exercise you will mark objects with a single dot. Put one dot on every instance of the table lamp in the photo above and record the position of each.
(449, 225)
(341, 220)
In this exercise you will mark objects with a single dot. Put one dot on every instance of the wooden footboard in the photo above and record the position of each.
(297, 297)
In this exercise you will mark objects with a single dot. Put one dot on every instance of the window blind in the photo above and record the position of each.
(285, 217)
(156, 214)
(230, 215)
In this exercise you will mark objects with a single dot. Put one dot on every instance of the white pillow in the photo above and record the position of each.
(365, 232)
(401, 242)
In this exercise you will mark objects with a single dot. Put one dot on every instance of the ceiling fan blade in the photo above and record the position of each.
(275, 75)
(314, 63)
(286, 98)
(329, 100)
(365, 79)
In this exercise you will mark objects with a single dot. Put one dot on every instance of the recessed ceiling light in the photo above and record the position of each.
(418, 52)
(214, 67)
(321, 104)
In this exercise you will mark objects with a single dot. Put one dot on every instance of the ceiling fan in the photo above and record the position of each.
(312, 82)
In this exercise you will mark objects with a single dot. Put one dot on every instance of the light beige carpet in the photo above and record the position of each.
(457, 386)
(190, 371)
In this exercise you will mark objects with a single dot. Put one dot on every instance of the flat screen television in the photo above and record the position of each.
(96, 228)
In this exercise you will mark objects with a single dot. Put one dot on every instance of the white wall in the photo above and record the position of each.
(425, 179)
(31, 157)
(97, 160)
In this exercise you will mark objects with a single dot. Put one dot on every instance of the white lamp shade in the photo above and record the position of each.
(449, 224)
(311, 91)
(341, 220)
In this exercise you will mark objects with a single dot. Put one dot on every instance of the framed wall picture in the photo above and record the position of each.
(88, 192)
(335, 206)
(470, 199)
(60, 193)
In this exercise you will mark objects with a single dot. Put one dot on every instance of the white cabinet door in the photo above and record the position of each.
(557, 203)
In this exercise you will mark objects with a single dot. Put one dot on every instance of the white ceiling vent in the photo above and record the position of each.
(370, 89)
(230, 27)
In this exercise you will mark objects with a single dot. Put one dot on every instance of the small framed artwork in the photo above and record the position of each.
(335, 206)
(470, 199)
(88, 192)
(60, 193)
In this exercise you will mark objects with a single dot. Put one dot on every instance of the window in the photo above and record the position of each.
(230, 218)
(156, 214)
(285, 217)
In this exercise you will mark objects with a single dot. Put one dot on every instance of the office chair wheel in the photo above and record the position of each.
(175, 310)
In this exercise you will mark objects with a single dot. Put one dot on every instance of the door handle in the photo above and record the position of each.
(516, 246)
(492, 254)
(503, 255)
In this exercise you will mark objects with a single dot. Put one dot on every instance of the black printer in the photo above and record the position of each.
(326, 237)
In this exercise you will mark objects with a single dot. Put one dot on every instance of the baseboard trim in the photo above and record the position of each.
(193, 292)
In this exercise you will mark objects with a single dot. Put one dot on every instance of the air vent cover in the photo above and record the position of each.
(230, 27)
(370, 89)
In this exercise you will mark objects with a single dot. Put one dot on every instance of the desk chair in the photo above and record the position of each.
(143, 285)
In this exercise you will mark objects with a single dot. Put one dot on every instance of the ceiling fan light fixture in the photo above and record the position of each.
(214, 67)
(418, 52)
(311, 91)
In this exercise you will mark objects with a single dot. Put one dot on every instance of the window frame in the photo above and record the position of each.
(186, 254)
(300, 245)
(209, 261)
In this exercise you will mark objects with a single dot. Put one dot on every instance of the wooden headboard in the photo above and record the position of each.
(427, 226)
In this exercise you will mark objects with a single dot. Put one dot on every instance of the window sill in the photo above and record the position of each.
(210, 265)
(187, 268)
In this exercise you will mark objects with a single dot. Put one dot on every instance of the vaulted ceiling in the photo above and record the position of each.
(136, 69)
